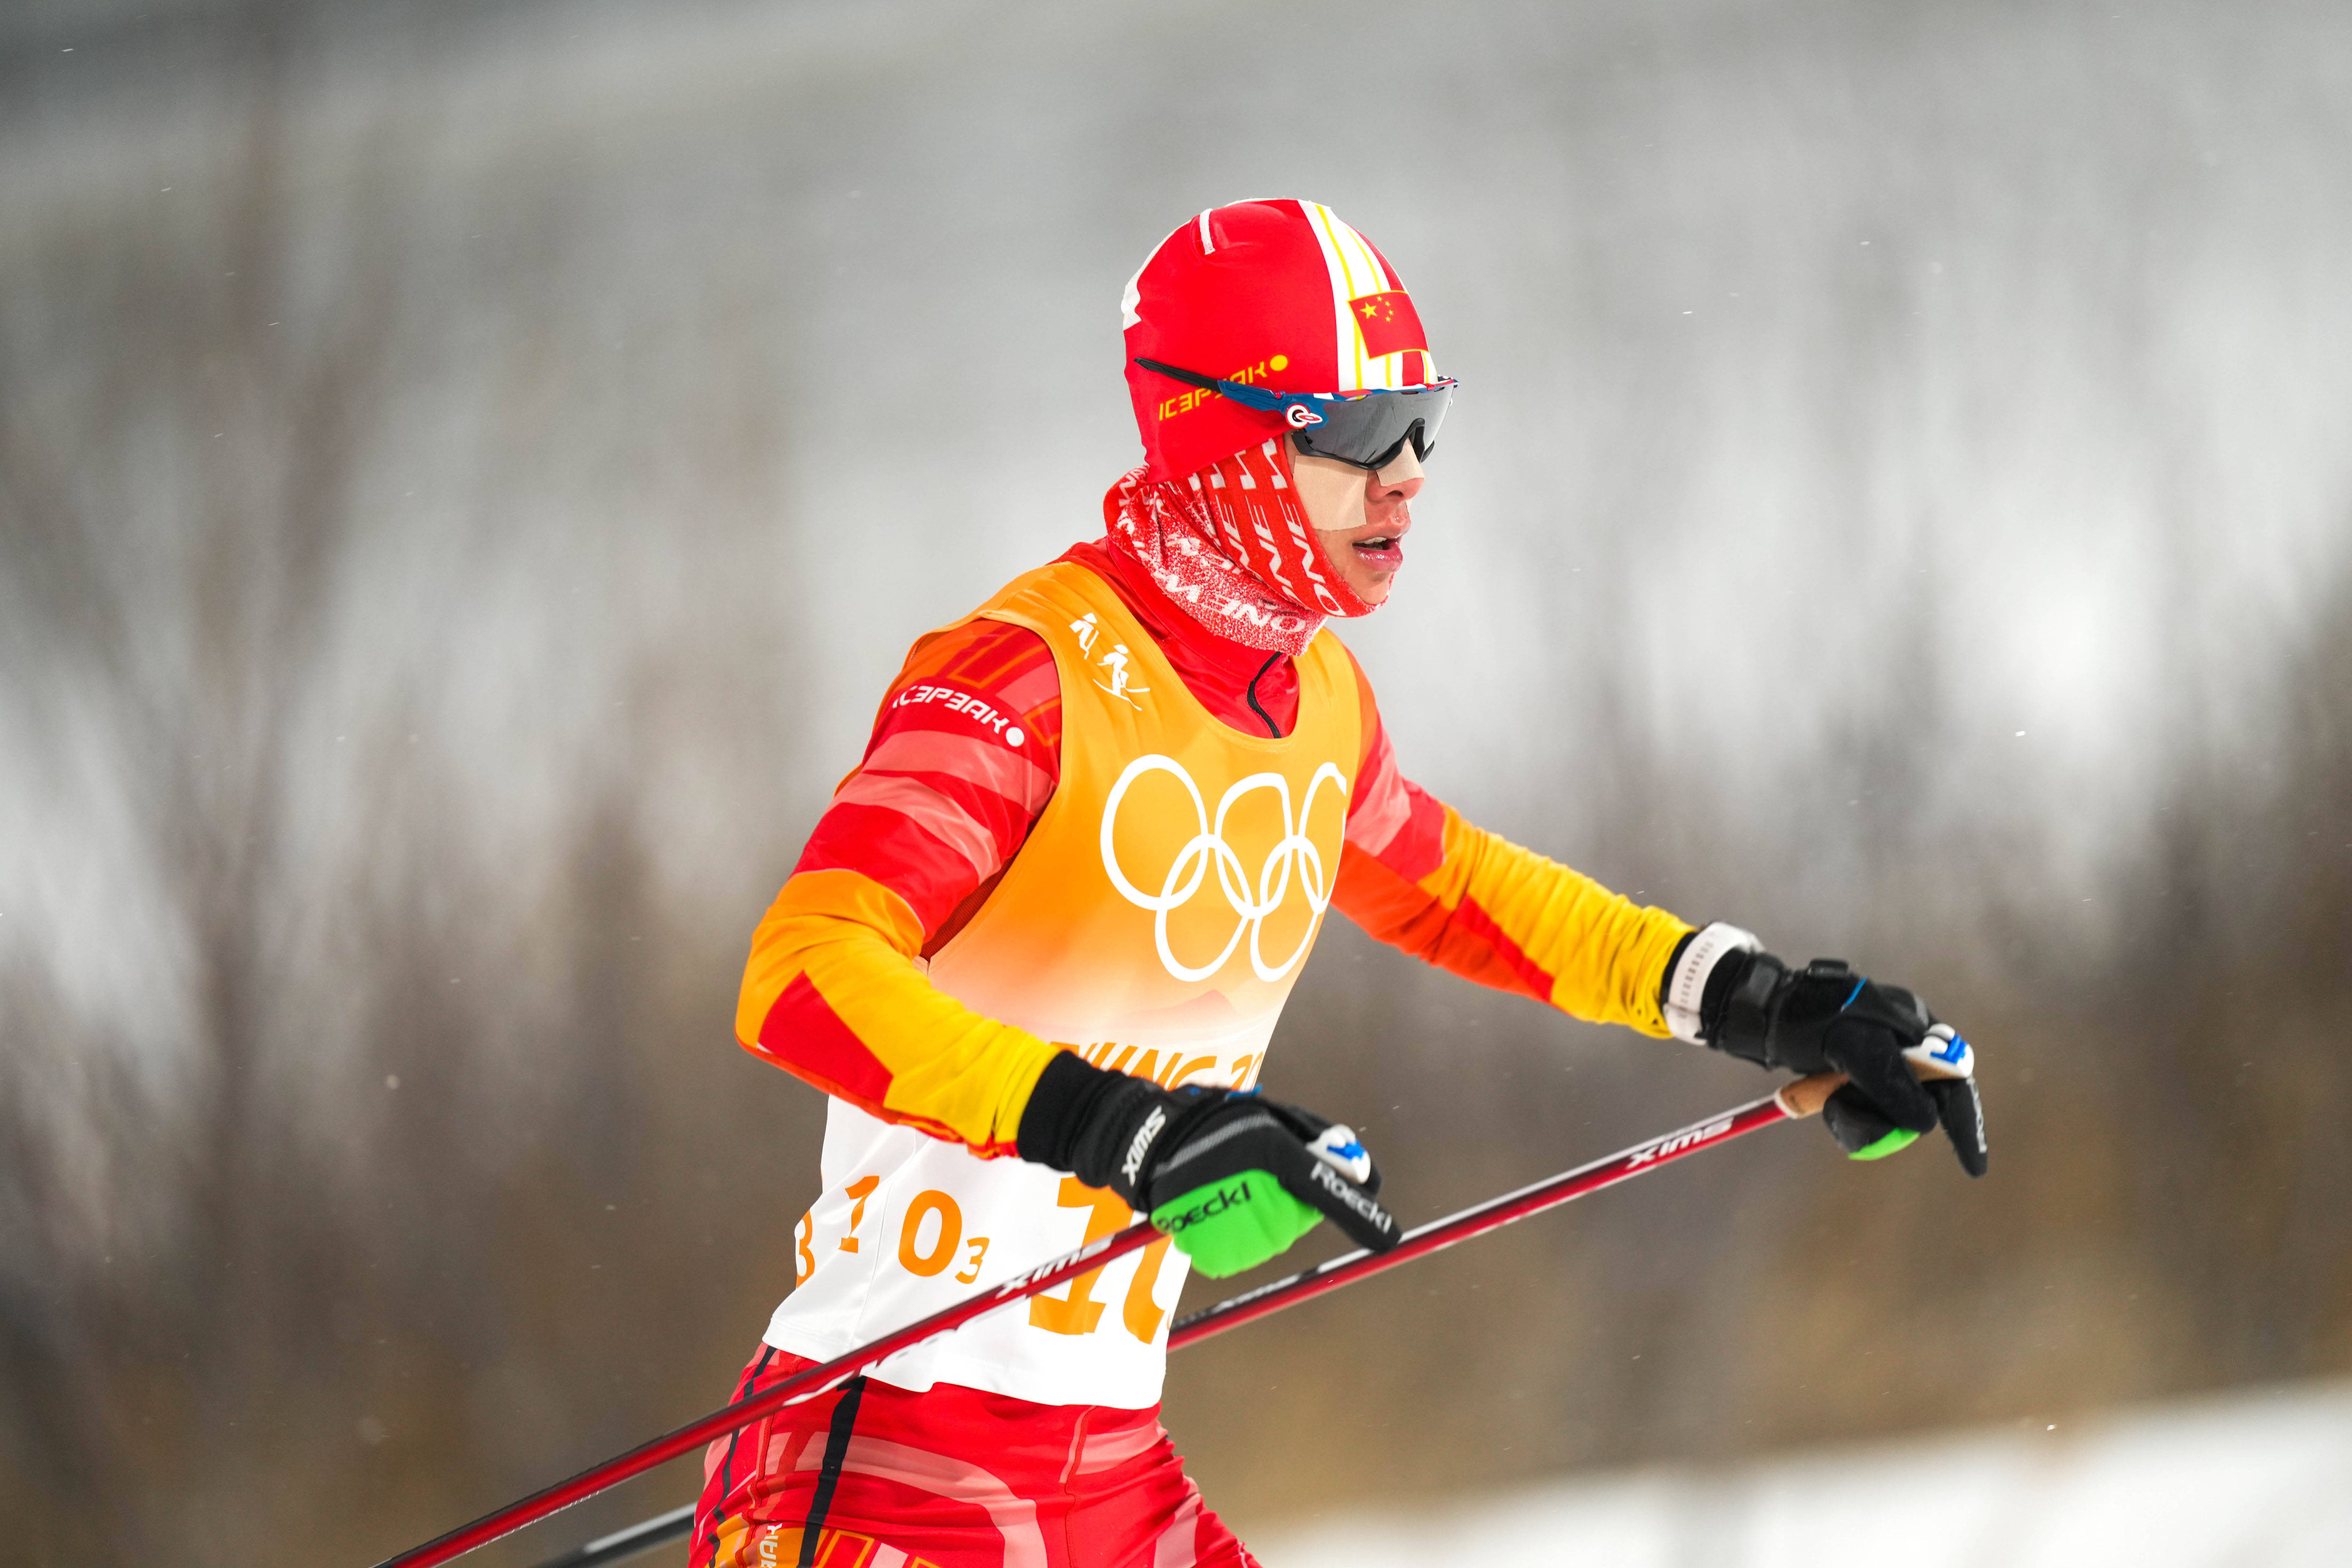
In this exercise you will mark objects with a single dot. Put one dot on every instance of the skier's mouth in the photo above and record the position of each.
(1383, 551)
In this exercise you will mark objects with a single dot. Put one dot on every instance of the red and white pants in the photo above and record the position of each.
(955, 1478)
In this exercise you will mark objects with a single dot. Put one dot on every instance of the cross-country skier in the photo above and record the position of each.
(1037, 946)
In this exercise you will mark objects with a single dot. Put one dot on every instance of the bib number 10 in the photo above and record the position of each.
(1079, 1313)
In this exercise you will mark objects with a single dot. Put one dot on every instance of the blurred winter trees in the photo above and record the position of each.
(464, 476)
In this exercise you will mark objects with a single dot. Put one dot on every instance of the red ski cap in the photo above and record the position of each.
(1280, 294)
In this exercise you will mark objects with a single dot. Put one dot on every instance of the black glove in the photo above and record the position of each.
(1826, 1018)
(1232, 1178)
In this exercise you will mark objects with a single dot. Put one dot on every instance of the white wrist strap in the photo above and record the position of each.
(1688, 989)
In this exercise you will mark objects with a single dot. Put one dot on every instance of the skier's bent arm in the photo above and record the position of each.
(833, 968)
(832, 996)
(914, 838)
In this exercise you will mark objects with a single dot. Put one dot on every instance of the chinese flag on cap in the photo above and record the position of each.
(1387, 323)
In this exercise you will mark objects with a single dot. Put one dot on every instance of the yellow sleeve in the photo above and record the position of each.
(833, 996)
(1474, 902)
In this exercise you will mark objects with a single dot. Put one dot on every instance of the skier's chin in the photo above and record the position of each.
(1372, 585)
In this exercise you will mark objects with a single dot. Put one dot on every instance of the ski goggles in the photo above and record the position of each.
(1366, 429)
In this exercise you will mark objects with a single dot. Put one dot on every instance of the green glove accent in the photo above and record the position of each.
(1895, 1142)
(1227, 1227)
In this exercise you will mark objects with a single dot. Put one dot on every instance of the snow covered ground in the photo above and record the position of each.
(2253, 1482)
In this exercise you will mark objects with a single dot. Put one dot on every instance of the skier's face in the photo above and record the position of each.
(1362, 517)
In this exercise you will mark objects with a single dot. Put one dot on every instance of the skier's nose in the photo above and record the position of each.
(1400, 480)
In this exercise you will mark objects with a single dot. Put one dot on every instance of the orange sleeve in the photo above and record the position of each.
(964, 756)
(1417, 876)
(833, 996)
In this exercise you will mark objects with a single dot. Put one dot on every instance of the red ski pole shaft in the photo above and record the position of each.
(791, 1391)
(1801, 1099)
(1797, 1100)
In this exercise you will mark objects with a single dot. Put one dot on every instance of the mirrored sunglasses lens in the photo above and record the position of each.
(1434, 404)
(1370, 431)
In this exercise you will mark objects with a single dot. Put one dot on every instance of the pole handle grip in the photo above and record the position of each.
(1807, 1096)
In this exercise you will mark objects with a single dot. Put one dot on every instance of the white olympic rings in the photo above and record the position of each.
(1208, 847)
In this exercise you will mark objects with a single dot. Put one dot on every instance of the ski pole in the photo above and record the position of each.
(793, 1390)
(1793, 1101)
(1797, 1100)
(623, 1544)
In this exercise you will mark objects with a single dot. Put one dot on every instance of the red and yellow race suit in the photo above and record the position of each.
(1069, 832)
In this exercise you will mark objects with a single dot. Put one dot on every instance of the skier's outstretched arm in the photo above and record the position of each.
(1416, 875)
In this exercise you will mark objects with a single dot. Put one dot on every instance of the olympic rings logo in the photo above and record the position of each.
(1252, 903)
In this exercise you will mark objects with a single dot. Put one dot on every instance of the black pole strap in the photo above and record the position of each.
(836, 1452)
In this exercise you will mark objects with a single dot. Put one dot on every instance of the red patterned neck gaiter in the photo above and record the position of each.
(1232, 545)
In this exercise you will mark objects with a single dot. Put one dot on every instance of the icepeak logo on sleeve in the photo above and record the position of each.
(985, 714)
